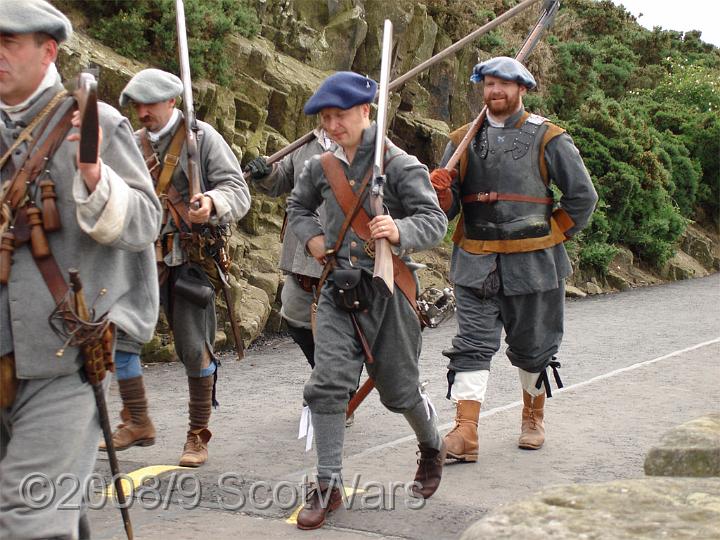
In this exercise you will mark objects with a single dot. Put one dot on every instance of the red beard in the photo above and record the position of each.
(505, 106)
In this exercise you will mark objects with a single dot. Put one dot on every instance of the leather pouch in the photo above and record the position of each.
(193, 285)
(351, 289)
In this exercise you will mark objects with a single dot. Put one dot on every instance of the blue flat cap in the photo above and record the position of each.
(343, 90)
(506, 68)
(151, 86)
(28, 16)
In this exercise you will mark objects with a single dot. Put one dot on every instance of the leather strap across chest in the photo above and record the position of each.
(346, 198)
(162, 174)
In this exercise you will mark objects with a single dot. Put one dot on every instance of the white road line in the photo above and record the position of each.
(514, 404)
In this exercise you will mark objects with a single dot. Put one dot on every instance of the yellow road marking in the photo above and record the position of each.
(137, 477)
(292, 520)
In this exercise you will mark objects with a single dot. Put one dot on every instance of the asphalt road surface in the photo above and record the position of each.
(634, 364)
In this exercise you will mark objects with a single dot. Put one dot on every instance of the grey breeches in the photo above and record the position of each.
(533, 324)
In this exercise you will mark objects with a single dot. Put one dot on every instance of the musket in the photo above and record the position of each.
(97, 355)
(383, 278)
(396, 83)
(546, 18)
(191, 145)
(191, 127)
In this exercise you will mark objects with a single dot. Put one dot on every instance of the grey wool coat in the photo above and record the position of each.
(293, 258)
(390, 325)
(108, 235)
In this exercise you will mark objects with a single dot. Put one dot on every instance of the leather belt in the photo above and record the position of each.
(491, 197)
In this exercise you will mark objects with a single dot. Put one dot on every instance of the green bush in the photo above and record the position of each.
(145, 30)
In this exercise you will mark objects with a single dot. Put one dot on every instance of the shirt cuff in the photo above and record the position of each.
(101, 214)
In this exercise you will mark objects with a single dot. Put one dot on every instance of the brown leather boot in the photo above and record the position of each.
(136, 428)
(532, 435)
(429, 471)
(318, 505)
(462, 441)
(195, 451)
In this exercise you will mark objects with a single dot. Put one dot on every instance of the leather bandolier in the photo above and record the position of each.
(507, 205)
(346, 198)
(22, 223)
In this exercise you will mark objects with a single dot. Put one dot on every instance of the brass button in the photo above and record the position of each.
(351, 182)
(353, 244)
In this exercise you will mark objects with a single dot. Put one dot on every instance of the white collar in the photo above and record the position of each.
(156, 135)
(494, 122)
(15, 111)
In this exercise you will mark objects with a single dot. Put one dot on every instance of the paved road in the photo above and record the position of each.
(634, 364)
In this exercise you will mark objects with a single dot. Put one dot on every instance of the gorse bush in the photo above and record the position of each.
(145, 30)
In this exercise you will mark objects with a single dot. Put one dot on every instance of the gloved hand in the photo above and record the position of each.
(258, 168)
(441, 180)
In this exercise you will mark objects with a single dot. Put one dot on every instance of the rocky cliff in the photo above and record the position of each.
(300, 43)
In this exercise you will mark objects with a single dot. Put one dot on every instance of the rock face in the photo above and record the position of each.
(691, 449)
(649, 508)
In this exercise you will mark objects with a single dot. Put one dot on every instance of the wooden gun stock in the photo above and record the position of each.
(86, 95)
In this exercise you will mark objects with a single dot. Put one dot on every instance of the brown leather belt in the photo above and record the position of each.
(307, 283)
(491, 197)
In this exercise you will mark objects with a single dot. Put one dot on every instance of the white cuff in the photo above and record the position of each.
(529, 380)
(469, 385)
(101, 214)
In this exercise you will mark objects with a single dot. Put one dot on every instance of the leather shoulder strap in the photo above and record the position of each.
(551, 132)
(351, 205)
(35, 163)
(162, 174)
(456, 137)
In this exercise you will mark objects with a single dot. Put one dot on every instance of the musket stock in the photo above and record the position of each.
(86, 96)
(546, 18)
(383, 278)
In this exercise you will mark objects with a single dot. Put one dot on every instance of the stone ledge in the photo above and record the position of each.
(649, 508)
(690, 449)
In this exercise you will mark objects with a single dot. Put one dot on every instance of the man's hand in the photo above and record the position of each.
(316, 248)
(441, 180)
(90, 172)
(258, 168)
(202, 214)
(384, 227)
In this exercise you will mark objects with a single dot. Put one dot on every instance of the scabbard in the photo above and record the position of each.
(234, 323)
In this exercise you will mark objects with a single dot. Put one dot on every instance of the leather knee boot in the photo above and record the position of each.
(136, 428)
(195, 451)
(532, 435)
(462, 441)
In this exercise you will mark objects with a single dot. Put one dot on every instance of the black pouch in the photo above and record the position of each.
(193, 285)
(351, 289)
(490, 287)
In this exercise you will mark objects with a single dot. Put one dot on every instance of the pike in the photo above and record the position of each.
(545, 20)
(193, 157)
(96, 354)
(396, 83)
(547, 16)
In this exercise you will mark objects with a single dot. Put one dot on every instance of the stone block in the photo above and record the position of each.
(670, 508)
(690, 449)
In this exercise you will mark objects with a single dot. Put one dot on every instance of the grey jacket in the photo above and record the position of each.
(285, 174)
(222, 179)
(534, 271)
(108, 235)
(409, 198)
